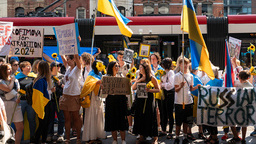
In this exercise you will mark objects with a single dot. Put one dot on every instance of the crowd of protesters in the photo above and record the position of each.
(148, 119)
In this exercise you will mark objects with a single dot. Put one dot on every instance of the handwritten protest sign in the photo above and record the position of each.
(5, 37)
(27, 42)
(220, 106)
(234, 47)
(67, 39)
(115, 85)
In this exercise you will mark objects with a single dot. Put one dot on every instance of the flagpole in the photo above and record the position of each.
(183, 105)
(93, 31)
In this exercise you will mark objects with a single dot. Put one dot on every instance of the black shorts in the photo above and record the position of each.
(183, 115)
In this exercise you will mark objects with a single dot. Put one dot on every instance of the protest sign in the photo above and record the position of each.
(115, 85)
(226, 106)
(128, 55)
(141, 90)
(5, 37)
(67, 39)
(27, 42)
(234, 47)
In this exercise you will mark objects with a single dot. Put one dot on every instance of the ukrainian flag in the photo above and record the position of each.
(40, 97)
(90, 84)
(108, 7)
(199, 52)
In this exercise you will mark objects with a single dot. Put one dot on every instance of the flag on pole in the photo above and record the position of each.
(229, 74)
(108, 7)
(199, 52)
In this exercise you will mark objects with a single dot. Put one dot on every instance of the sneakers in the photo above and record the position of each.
(60, 139)
(115, 142)
(148, 138)
(130, 130)
(177, 141)
(253, 133)
(225, 137)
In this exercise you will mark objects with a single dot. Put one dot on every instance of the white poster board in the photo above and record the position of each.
(234, 47)
(128, 55)
(67, 39)
(226, 106)
(27, 42)
(5, 37)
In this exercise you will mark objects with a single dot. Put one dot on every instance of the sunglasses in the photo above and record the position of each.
(117, 66)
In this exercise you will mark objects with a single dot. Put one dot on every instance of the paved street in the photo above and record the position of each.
(130, 139)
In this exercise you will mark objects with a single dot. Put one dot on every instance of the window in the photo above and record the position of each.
(80, 13)
(39, 9)
(207, 9)
(59, 11)
(148, 8)
(163, 8)
(122, 10)
(19, 12)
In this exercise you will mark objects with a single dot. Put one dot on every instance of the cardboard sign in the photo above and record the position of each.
(234, 47)
(115, 85)
(222, 106)
(5, 37)
(27, 42)
(67, 39)
(128, 55)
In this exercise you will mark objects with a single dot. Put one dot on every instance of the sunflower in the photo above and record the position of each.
(100, 66)
(134, 69)
(251, 48)
(161, 72)
(128, 76)
(149, 85)
(111, 58)
(54, 55)
(104, 71)
(174, 63)
(135, 55)
(55, 78)
(133, 77)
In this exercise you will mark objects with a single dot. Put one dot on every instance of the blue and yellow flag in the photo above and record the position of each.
(108, 7)
(40, 97)
(90, 84)
(199, 52)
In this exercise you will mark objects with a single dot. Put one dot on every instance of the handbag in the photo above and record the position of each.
(10, 95)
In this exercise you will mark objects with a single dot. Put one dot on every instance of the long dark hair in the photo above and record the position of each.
(94, 67)
(3, 72)
(147, 71)
(110, 68)
(44, 71)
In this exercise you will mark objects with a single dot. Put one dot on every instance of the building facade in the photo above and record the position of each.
(234, 7)
(174, 7)
(3, 8)
(71, 8)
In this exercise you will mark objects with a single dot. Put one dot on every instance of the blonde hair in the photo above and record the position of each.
(146, 61)
(35, 66)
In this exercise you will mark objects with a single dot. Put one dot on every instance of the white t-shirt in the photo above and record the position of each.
(72, 81)
(178, 78)
(168, 84)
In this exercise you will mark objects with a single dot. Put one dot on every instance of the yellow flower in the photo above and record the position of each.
(150, 85)
(174, 63)
(111, 58)
(251, 47)
(100, 67)
(133, 77)
(134, 70)
(252, 71)
(105, 71)
(54, 55)
(22, 92)
(128, 76)
(135, 55)
(161, 72)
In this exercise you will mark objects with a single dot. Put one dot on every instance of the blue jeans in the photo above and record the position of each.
(61, 120)
(31, 114)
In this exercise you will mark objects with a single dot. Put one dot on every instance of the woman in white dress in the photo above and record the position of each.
(94, 116)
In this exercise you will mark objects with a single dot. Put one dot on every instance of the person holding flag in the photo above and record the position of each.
(41, 98)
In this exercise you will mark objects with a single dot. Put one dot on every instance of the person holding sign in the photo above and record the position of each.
(145, 119)
(116, 108)
(183, 81)
(69, 102)
(244, 83)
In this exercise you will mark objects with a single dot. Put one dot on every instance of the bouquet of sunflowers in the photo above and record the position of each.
(131, 75)
(101, 67)
(160, 73)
